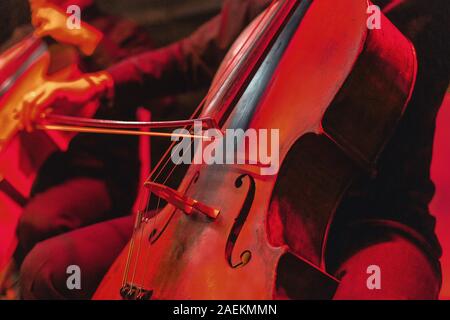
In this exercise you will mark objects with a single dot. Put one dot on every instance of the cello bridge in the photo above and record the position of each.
(182, 202)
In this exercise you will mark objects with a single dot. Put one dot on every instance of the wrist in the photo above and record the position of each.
(103, 83)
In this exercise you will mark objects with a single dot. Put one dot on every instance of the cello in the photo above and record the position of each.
(335, 90)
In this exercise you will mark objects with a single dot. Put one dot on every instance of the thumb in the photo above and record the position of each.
(42, 32)
(38, 18)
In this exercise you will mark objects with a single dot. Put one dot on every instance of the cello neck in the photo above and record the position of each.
(229, 87)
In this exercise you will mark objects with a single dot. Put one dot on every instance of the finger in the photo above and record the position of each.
(25, 106)
(45, 113)
(42, 103)
(41, 32)
(26, 118)
(41, 13)
(16, 114)
(29, 110)
(41, 109)
(39, 18)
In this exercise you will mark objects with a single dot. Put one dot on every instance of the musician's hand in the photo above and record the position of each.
(51, 21)
(39, 102)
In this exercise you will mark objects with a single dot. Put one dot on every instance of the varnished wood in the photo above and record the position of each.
(335, 91)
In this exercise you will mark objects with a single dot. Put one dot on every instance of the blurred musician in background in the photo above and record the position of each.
(96, 178)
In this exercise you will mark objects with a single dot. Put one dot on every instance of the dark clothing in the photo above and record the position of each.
(68, 206)
(382, 220)
(399, 196)
(188, 64)
(94, 249)
(405, 272)
(12, 15)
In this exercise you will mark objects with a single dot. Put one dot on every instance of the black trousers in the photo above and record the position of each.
(406, 272)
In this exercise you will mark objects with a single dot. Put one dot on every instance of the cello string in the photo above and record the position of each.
(145, 195)
(143, 198)
(154, 223)
(141, 229)
(147, 255)
(154, 220)
(219, 83)
(146, 259)
(159, 167)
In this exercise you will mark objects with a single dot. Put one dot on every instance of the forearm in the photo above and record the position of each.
(148, 75)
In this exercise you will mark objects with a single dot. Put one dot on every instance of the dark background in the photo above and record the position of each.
(166, 20)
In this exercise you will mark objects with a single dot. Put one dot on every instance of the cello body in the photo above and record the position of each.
(335, 91)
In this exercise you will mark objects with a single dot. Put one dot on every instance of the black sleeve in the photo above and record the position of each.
(401, 192)
(188, 64)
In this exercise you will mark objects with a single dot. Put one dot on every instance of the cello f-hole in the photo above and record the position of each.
(246, 255)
